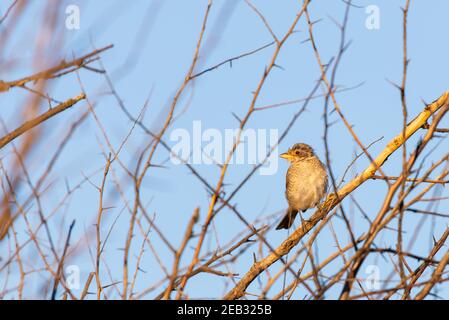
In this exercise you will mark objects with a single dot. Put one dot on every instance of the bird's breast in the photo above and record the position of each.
(306, 184)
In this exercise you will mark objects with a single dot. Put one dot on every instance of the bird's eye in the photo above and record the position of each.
(297, 153)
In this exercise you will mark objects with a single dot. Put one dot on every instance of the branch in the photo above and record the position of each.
(436, 277)
(50, 73)
(188, 235)
(38, 120)
(61, 262)
(419, 180)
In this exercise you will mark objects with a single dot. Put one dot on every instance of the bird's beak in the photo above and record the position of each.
(285, 155)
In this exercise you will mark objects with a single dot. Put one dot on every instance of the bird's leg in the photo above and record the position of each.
(302, 221)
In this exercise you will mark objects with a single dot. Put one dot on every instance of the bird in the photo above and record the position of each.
(306, 182)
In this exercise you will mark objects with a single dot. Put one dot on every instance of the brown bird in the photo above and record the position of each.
(306, 182)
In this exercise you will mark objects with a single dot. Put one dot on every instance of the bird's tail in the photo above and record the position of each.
(288, 219)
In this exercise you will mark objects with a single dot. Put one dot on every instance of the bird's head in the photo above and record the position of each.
(299, 152)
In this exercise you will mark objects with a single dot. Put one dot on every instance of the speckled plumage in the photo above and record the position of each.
(306, 182)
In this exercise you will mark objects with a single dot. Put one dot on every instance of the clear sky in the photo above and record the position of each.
(154, 42)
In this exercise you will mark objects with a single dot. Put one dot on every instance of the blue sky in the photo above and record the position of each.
(158, 40)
